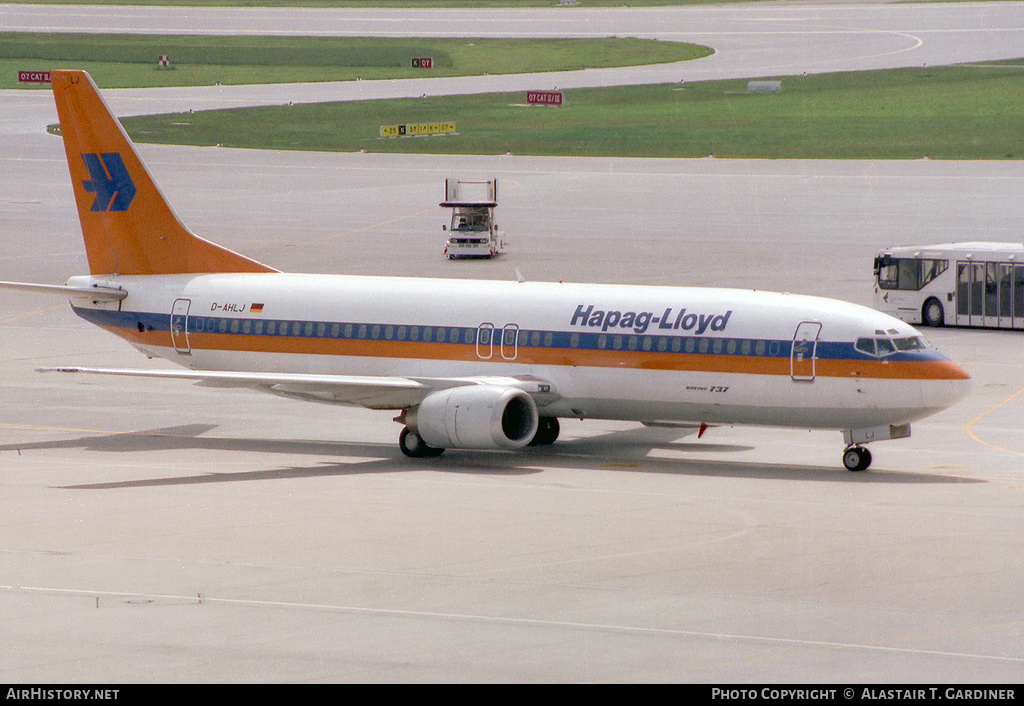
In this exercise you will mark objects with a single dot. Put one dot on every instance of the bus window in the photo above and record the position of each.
(907, 273)
(963, 288)
(887, 271)
(1018, 291)
(909, 276)
(991, 290)
(899, 273)
(932, 269)
(977, 288)
(1005, 275)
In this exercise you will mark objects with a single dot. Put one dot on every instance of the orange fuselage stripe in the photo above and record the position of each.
(530, 355)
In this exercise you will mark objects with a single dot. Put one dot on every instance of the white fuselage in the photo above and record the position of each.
(649, 354)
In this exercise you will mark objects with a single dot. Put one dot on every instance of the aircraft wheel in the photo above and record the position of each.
(414, 447)
(547, 431)
(856, 458)
(933, 314)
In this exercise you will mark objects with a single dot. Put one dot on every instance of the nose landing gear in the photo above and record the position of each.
(856, 458)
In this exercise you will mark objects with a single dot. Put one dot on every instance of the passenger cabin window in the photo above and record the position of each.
(907, 273)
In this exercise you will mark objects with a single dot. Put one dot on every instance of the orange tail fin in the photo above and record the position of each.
(128, 227)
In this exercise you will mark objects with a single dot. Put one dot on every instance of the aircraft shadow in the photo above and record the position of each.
(625, 451)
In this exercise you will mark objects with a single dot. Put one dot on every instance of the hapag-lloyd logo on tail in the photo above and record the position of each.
(640, 321)
(110, 182)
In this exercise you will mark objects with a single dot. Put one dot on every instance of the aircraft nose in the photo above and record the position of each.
(948, 383)
(951, 371)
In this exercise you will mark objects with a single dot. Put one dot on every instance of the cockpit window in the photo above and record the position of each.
(910, 343)
(883, 345)
(866, 345)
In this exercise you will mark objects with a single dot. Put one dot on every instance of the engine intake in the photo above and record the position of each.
(475, 417)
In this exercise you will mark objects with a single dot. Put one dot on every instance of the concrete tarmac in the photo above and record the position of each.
(155, 531)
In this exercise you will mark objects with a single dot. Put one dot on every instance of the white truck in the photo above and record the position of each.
(473, 231)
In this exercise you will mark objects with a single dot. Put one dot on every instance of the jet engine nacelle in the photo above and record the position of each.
(476, 417)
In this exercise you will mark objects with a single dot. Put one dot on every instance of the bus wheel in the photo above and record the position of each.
(932, 313)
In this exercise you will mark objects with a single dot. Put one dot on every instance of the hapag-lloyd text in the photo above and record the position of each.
(639, 321)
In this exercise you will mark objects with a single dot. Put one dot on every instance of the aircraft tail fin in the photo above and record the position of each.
(127, 225)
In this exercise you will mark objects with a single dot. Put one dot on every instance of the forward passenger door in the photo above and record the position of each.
(804, 351)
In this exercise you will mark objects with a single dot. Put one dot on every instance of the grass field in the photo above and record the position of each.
(965, 112)
(130, 61)
(961, 112)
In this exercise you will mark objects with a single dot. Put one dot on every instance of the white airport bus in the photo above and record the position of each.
(953, 284)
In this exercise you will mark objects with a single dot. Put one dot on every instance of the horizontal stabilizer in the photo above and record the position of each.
(94, 293)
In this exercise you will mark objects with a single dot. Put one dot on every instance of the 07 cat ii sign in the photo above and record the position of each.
(33, 76)
(544, 97)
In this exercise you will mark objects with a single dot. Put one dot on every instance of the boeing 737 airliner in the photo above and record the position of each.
(501, 369)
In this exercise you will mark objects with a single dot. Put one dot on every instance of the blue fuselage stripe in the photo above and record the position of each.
(473, 336)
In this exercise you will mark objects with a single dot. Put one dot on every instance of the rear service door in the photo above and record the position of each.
(179, 326)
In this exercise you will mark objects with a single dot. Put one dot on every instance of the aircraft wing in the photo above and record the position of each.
(373, 392)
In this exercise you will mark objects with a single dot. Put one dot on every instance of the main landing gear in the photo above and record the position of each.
(547, 431)
(414, 447)
(856, 458)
